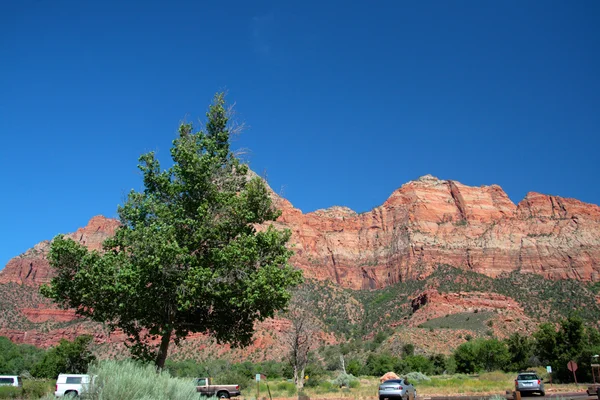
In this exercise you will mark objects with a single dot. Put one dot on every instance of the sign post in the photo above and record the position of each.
(257, 386)
(572, 366)
(549, 370)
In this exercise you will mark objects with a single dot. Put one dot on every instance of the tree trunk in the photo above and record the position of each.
(301, 381)
(163, 350)
(296, 376)
(299, 377)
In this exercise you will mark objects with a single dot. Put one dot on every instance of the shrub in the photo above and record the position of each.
(10, 392)
(35, 389)
(343, 379)
(416, 377)
(134, 381)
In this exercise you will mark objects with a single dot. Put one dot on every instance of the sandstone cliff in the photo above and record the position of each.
(424, 223)
(428, 222)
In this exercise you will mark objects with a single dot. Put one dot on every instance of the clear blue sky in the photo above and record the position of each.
(345, 101)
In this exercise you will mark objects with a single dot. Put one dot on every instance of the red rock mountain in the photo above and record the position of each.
(428, 222)
(424, 223)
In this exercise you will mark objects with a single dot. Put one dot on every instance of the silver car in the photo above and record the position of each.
(529, 382)
(396, 389)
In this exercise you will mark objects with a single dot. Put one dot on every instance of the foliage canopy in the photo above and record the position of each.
(188, 256)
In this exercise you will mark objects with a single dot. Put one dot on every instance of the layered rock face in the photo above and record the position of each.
(32, 268)
(428, 222)
(424, 223)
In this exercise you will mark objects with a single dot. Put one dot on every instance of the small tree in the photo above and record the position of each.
(187, 256)
(520, 349)
(301, 337)
(68, 357)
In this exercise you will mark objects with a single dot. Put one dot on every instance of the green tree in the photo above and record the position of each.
(419, 363)
(408, 349)
(68, 357)
(520, 349)
(188, 256)
(379, 364)
(492, 355)
(439, 363)
(16, 358)
(354, 367)
(465, 357)
(545, 343)
(557, 347)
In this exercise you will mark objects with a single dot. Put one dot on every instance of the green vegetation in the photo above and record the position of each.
(17, 358)
(187, 256)
(476, 322)
(134, 381)
(356, 314)
(72, 357)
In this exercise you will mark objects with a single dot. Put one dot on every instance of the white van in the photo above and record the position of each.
(11, 380)
(72, 384)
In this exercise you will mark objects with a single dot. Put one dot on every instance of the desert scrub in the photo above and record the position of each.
(134, 381)
(416, 377)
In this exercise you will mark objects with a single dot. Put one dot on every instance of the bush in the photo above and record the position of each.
(416, 377)
(134, 381)
(10, 392)
(288, 387)
(34, 389)
(343, 379)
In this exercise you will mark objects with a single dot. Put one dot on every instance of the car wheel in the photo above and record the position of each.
(543, 393)
(223, 395)
(381, 398)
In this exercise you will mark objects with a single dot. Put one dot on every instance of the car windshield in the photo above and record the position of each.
(527, 377)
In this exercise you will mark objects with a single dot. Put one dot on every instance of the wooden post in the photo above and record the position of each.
(517, 395)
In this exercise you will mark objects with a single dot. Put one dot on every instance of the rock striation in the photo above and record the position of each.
(32, 268)
(424, 223)
(429, 221)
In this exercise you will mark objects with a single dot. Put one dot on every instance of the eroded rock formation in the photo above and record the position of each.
(424, 223)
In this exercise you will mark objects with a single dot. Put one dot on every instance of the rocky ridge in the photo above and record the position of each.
(424, 223)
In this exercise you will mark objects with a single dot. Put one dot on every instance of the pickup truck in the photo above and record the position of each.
(205, 388)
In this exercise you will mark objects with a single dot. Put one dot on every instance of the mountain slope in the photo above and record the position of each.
(435, 248)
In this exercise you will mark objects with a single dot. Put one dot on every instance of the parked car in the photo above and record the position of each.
(529, 382)
(205, 387)
(11, 380)
(73, 384)
(399, 389)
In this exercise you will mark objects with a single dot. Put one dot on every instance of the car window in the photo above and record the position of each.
(73, 379)
(527, 377)
(201, 382)
(6, 381)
